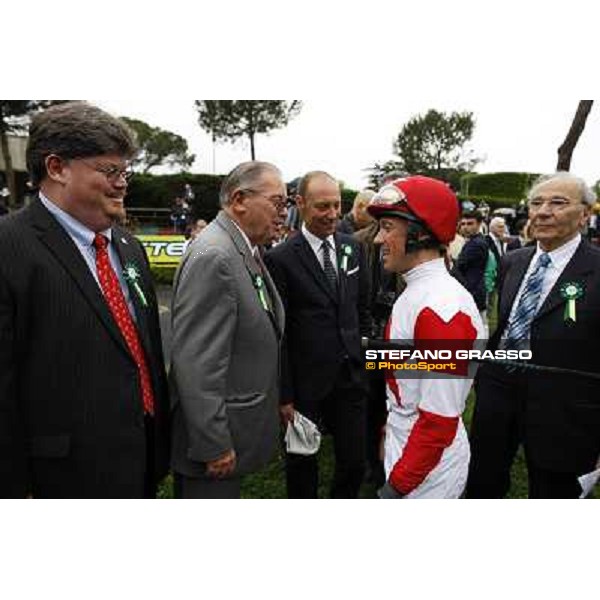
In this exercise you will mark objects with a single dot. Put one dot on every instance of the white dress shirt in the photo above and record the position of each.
(317, 247)
(83, 238)
(559, 259)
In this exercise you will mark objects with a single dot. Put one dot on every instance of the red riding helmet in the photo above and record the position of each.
(427, 202)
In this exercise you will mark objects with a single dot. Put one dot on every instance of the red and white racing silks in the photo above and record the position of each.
(426, 446)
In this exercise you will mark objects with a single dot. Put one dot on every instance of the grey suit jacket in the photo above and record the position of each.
(226, 354)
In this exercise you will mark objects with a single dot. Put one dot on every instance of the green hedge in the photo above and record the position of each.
(493, 203)
(348, 196)
(159, 191)
(507, 187)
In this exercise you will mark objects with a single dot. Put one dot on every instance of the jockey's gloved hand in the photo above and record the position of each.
(389, 492)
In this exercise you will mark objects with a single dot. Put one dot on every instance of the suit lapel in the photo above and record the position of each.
(312, 265)
(278, 314)
(513, 280)
(60, 244)
(127, 256)
(342, 273)
(253, 269)
(577, 269)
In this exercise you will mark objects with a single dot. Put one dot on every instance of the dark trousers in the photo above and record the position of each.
(376, 419)
(343, 415)
(549, 484)
(495, 433)
(150, 476)
(205, 488)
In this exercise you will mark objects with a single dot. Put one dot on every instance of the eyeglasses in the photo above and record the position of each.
(111, 172)
(556, 204)
(279, 202)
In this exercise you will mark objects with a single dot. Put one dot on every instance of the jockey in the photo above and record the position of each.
(426, 446)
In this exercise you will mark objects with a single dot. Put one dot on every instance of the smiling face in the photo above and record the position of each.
(82, 188)
(554, 226)
(392, 236)
(321, 205)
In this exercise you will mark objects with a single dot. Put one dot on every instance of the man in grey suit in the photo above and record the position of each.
(227, 326)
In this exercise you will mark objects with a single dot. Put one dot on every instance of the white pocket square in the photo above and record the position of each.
(351, 272)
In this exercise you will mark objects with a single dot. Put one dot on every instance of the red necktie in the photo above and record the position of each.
(113, 295)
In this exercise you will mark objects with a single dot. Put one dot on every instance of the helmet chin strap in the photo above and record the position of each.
(418, 238)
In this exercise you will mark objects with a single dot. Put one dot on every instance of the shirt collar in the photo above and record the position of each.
(561, 255)
(425, 269)
(77, 230)
(246, 238)
(316, 242)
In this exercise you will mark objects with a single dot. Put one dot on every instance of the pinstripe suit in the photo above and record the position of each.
(71, 417)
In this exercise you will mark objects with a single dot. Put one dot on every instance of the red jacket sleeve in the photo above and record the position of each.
(430, 435)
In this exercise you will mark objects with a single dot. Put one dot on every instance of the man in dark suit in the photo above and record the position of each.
(519, 240)
(549, 303)
(323, 282)
(83, 404)
(471, 262)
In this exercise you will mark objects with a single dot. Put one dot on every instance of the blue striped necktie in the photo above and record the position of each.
(519, 327)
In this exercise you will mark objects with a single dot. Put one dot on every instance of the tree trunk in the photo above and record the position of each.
(565, 152)
(252, 154)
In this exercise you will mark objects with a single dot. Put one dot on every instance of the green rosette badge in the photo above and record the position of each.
(346, 253)
(571, 291)
(132, 276)
(260, 288)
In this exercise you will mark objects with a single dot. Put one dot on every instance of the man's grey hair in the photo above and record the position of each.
(585, 191)
(246, 176)
(497, 221)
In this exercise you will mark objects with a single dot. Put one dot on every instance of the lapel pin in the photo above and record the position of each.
(346, 253)
(132, 275)
(571, 291)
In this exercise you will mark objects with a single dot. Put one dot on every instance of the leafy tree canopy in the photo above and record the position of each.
(159, 147)
(434, 141)
(229, 120)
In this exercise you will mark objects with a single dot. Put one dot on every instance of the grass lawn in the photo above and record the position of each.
(270, 483)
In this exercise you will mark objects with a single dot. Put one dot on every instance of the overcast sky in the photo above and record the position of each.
(346, 136)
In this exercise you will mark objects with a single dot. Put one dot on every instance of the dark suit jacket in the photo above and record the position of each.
(71, 416)
(321, 330)
(470, 266)
(514, 243)
(561, 415)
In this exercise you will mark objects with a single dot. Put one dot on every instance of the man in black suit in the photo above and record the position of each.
(471, 262)
(83, 403)
(519, 240)
(549, 302)
(323, 282)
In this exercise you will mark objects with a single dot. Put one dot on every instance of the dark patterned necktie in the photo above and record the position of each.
(328, 267)
(520, 325)
(113, 294)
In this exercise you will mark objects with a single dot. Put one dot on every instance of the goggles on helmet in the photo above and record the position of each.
(390, 201)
